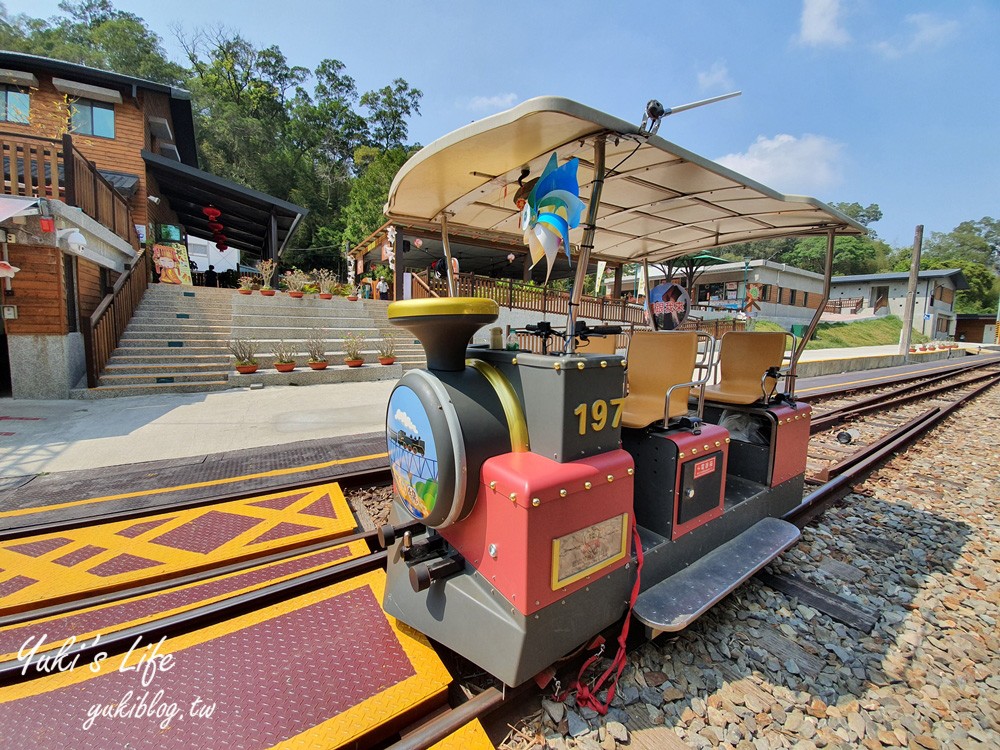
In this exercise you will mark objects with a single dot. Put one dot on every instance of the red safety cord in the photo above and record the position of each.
(586, 695)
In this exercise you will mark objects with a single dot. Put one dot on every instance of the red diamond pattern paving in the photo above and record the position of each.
(281, 531)
(140, 528)
(322, 507)
(269, 682)
(108, 619)
(15, 584)
(123, 564)
(78, 556)
(280, 503)
(41, 547)
(208, 532)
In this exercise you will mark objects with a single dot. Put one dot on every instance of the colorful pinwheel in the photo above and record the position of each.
(552, 209)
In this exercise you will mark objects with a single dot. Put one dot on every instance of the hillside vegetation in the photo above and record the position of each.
(871, 332)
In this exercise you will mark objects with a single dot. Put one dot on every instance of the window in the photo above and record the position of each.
(93, 118)
(14, 105)
(791, 296)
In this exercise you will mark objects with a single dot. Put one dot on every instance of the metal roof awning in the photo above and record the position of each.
(659, 201)
(126, 184)
(254, 222)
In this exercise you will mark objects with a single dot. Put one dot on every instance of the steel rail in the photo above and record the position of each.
(817, 501)
(884, 401)
(378, 476)
(201, 575)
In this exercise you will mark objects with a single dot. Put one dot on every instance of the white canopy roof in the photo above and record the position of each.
(659, 200)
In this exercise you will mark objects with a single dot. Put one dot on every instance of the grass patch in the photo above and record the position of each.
(871, 332)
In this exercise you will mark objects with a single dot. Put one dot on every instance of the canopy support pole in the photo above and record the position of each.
(587, 245)
(827, 275)
(452, 281)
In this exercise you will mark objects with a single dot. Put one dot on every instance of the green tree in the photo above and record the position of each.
(977, 241)
(388, 110)
(363, 212)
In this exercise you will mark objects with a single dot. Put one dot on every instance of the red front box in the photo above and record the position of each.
(791, 441)
(541, 530)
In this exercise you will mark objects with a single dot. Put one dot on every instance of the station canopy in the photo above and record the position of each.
(659, 201)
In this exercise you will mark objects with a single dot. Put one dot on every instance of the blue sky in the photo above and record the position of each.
(896, 103)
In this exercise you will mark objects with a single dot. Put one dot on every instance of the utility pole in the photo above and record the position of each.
(911, 294)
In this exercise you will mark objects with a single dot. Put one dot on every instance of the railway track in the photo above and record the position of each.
(914, 409)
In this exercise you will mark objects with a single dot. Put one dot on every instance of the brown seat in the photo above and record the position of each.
(744, 361)
(597, 345)
(656, 363)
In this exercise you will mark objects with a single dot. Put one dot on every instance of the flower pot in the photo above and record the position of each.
(296, 295)
(245, 291)
(354, 362)
(284, 366)
(386, 360)
(267, 292)
(352, 298)
(323, 295)
(318, 365)
(246, 369)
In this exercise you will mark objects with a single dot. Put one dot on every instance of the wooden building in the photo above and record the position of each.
(93, 162)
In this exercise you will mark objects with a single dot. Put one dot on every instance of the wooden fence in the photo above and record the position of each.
(844, 305)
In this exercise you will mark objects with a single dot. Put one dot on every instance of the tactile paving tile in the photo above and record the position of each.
(318, 671)
(65, 566)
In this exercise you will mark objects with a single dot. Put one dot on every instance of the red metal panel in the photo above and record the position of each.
(506, 515)
(694, 448)
(791, 441)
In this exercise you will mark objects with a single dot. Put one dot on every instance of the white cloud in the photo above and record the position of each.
(717, 77)
(404, 419)
(926, 31)
(492, 103)
(789, 164)
(820, 24)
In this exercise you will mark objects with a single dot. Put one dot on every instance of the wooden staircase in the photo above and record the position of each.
(177, 341)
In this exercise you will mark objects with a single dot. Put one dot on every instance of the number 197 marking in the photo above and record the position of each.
(598, 415)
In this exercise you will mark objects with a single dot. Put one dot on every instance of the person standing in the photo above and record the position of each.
(211, 277)
(382, 288)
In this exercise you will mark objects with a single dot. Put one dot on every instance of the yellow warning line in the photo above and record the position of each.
(194, 485)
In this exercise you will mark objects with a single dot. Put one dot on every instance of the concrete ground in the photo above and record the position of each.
(38, 437)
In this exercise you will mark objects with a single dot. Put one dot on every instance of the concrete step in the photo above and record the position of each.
(119, 391)
(176, 327)
(174, 377)
(151, 349)
(145, 367)
(303, 375)
(300, 333)
(125, 359)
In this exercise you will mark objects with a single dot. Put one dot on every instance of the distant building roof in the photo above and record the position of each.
(955, 274)
(180, 99)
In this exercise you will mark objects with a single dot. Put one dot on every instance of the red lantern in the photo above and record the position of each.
(222, 245)
(211, 212)
(219, 237)
(215, 226)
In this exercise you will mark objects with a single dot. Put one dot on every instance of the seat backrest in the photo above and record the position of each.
(597, 345)
(656, 362)
(744, 358)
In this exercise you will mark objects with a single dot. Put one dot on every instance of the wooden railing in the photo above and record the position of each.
(845, 304)
(88, 190)
(520, 296)
(880, 303)
(39, 168)
(31, 166)
(103, 330)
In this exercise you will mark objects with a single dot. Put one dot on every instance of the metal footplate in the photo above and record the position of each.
(677, 601)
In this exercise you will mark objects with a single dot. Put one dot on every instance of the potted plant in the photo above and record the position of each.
(284, 356)
(387, 351)
(354, 294)
(295, 282)
(352, 349)
(246, 285)
(316, 347)
(326, 281)
(267, 268)
(244, 351)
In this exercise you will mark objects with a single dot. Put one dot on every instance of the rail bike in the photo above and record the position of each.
(558, 491)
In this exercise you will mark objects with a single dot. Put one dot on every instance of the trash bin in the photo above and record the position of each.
(799, 330)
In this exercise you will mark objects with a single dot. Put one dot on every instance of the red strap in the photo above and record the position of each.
(586, 695)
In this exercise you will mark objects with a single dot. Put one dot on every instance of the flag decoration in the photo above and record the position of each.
(552, 209)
